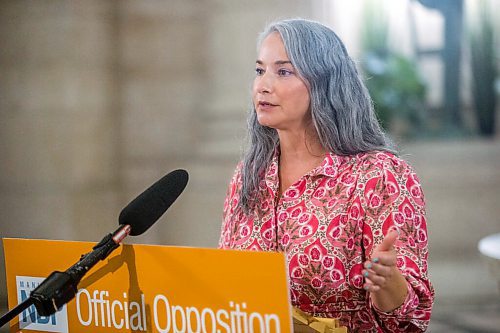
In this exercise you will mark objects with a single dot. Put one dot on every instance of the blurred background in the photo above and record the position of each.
(98, 99)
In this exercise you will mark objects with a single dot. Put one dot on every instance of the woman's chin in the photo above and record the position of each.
(265, 121)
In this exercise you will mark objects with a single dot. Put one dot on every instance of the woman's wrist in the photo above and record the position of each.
(392, 295)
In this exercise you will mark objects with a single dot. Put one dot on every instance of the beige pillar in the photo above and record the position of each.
(57, 130)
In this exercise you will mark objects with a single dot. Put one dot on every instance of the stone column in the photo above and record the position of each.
(230, 49)
(163, 84)
(57, 131)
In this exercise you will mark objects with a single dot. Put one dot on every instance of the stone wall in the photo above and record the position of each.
(98, 99)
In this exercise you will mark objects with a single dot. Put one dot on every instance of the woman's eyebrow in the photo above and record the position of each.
(278, 62)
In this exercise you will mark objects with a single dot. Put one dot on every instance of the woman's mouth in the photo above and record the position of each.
(265, 105)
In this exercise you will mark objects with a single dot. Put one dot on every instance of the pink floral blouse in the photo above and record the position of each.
(328, 223)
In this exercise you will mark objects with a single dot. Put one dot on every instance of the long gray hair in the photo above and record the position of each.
(341, 109)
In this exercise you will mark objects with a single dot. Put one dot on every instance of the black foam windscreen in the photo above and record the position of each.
(142, 212)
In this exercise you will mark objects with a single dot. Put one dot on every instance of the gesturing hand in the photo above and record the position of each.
(384, 281)
(379, 271)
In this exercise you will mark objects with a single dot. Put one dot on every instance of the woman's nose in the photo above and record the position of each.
(264, 83)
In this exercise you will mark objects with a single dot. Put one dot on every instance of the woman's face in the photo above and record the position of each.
(280, 97)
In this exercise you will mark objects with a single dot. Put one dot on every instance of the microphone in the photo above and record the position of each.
(142, 212)
(137, 217)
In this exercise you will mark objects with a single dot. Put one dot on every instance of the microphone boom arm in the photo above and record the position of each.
(61, 287)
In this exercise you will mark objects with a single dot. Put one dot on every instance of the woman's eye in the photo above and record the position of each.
(284, 72)
(259, 71)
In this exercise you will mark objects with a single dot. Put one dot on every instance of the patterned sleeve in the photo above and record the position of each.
(394, 199)
(230, 203)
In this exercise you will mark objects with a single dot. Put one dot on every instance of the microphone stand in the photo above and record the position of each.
(61, 287)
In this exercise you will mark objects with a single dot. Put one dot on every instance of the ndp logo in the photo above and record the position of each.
(30, 319)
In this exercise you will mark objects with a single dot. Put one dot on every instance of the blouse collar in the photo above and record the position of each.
(329, 167)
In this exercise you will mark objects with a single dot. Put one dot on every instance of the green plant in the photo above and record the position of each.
(397, 90)
(481, 41)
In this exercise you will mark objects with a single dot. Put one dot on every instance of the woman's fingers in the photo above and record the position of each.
(379, 270)
(370, 286)
(377, 278)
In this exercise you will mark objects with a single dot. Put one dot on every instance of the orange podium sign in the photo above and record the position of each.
(146, 288)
